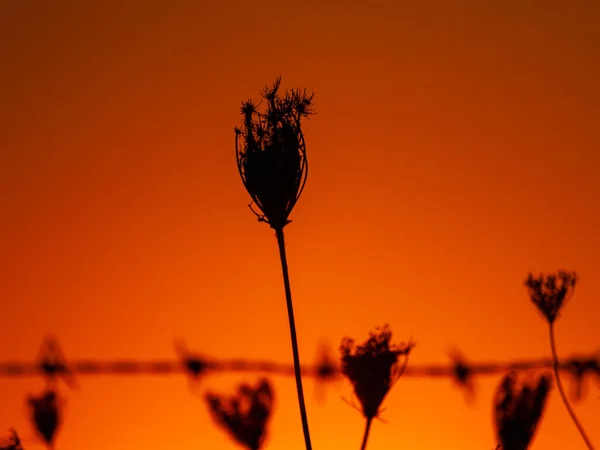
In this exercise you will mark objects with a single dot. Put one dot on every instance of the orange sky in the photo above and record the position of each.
(455, 149)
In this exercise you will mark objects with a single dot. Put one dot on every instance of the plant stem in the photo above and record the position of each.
(290, 310)
(366, 436)
(562, 391)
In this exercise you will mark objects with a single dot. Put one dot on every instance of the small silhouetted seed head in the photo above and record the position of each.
(551, 292)
(13, 442)
(244, 415)
(271, 152)
(517, 410)
(45, 414)
(373, 367)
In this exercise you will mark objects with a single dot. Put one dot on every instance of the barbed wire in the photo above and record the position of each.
(196, 366)
(52, 364)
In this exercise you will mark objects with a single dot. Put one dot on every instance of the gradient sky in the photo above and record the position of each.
(456, 148)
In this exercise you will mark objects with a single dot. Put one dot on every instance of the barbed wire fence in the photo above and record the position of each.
(52, 365)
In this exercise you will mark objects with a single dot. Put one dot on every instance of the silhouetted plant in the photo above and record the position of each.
(550, 293)
(244, 416)
(45, 414)
(271, 152)
(372, 368)
(12, 442)
(517, 410)
(271, 159)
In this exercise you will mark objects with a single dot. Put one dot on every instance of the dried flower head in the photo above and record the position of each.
(244, 416)
(373, 367)
(271, 152)
(551, 292)
(517, 410)
(13, 442)
(45, 414)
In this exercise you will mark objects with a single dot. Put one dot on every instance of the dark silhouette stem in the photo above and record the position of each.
(366, 436)
(562, 391)
(290, 310)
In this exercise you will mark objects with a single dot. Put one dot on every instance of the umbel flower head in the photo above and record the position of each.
(244, 416)
(271, 152)
(517, 410)
(45, 415)
(373, 367)
(551, 292)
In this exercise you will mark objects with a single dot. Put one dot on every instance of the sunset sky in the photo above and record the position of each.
(455, 149)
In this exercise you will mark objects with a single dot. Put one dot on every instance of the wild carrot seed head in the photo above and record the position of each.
(244, 415)
(271, 152)
(373, 367)
(551, 292)
(518, 409)
(45, 414)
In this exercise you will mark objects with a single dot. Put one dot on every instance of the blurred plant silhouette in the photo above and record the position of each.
(372, 368)
(45, 413)
(271, 159)
(13, 442)
(377, 361)
(550, 293)
(518, 410)
(244, 415)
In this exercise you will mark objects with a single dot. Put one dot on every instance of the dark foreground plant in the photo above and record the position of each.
(517, 410)
(372, 368)
(244, 416)
(550, 293)
(12, 442)
(271, 159)
(45, 414)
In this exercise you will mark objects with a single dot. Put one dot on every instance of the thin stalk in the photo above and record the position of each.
(562, 391)
(290, 310)
(366, 436)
